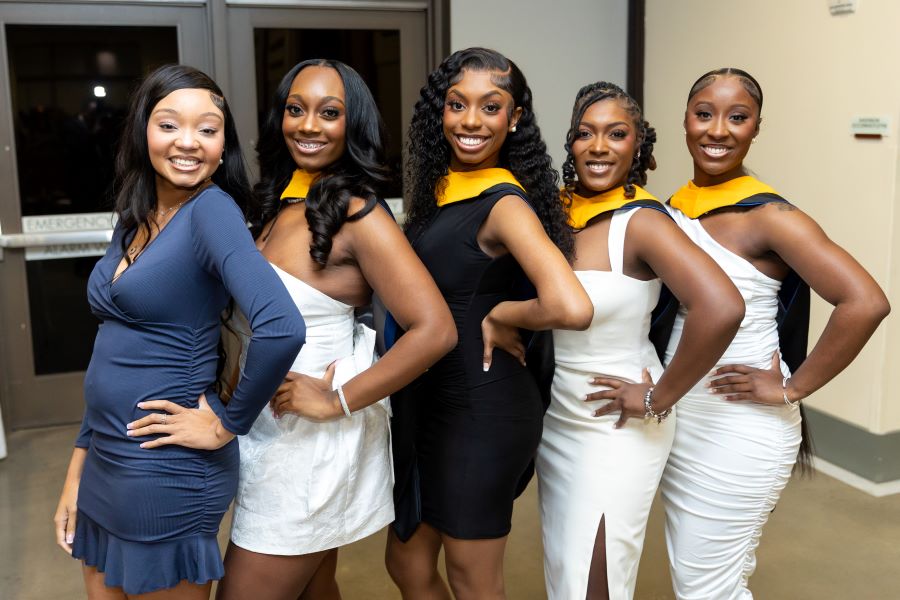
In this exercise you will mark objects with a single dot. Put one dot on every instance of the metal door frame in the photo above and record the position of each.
(27, 399)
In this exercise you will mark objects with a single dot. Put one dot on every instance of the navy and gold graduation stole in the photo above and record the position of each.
(580, 210)
(746, 191)
(465, 185)
(298, 188)
(793, 298)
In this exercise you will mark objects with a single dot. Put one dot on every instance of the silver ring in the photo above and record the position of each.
(165, 419)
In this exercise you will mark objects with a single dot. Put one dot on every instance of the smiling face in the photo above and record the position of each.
(478, 116)
(720, 123)
(315, 118)
(185, 140)
(604, 147)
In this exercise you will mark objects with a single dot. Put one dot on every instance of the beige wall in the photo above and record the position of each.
(817, 72)
(560, 46)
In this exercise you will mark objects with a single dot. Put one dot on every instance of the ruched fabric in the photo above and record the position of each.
(158, 340)
(730, 460)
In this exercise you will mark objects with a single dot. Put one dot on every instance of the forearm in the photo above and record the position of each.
(413, 353)
(847, 331)
(535, 315)
(706, 335)
(76, 466)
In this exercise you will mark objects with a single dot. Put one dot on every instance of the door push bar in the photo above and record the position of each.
(57, 238)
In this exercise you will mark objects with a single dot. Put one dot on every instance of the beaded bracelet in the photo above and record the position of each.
(788, 401)
(649, 413)
(340, 393)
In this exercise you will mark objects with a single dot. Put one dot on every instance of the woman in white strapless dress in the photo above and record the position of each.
(602, 453)
(739, 430)
(316, 468)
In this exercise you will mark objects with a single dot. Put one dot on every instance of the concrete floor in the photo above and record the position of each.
(825, 541)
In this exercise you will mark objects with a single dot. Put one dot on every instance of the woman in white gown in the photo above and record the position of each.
(739, 430)
(316, 469)
(602, 453)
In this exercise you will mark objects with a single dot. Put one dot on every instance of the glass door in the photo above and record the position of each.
(66, 72)
(388, 48)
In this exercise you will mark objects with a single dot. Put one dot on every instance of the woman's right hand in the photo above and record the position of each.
(66, 513)
(500, 335)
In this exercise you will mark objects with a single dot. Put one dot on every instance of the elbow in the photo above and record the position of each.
(443, 335)
(576, 315)
(722, 314)
(878, 308)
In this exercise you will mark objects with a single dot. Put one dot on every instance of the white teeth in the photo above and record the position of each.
(185, 162)
(599, 167)
(470, 141)
(715, 150)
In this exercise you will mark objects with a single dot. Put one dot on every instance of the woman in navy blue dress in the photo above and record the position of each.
(150, 479)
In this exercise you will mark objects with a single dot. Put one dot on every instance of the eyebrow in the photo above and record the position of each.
(487, 95)
(172, 111)
(325, 99)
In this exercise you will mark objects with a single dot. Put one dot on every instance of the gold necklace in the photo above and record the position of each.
(160, 214)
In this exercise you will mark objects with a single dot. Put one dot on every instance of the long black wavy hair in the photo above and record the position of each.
(361, 171)
(134, 186)
(643, 159)
(524, 152)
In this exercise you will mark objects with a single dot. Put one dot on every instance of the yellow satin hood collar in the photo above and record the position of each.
(463, 185)
(299, 186)
(582, 209)
(696, 201)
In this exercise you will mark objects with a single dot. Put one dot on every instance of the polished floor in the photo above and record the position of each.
(825, 540)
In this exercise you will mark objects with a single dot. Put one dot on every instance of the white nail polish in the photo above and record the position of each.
(485, 366)
(70, 538)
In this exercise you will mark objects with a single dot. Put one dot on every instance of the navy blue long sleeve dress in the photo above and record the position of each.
(148, 518)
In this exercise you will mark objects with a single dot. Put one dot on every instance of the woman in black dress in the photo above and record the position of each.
(485, 218)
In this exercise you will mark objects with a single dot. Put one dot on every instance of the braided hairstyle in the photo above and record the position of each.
(643, 159)
(524, 152)
(359, 172)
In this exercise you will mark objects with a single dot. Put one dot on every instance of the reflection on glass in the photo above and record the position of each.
(70, 88)
(374, 54)
(62, 326)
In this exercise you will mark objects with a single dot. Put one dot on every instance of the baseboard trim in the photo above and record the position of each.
(878, 490)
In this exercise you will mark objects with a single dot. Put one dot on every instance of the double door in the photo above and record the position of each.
(66, 74)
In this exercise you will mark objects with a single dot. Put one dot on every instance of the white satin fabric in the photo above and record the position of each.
(730, 460)
(586, 469)
(307, 486)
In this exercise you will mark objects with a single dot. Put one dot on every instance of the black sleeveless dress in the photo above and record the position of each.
(464, 440)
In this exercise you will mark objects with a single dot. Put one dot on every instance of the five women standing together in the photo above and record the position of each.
(494, 250)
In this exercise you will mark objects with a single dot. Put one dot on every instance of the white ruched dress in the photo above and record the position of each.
(586, 469)
(307, 486)
(730, 460)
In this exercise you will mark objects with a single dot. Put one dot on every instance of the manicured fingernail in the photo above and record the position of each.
(140, 405)
(129, 433)
(485, 366)
(130, 426)
(70, 538)
(144, 445)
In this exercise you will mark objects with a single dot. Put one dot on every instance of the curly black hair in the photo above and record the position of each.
(643, 159)
(360, 172)
(524, 152)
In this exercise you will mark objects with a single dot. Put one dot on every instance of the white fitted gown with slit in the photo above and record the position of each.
(307, 486)
(730, 460)
(586, 469)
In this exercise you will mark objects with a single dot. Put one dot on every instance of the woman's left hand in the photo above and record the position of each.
(198, 428)
(624, 397)
(499, 335)
(750, 384)
(308, 397)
